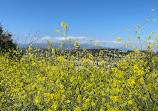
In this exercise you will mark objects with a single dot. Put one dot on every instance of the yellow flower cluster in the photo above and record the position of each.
(77, 44)
(118, 39)
(53, 82)
(65, 26)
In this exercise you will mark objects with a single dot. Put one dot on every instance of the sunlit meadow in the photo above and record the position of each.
(54, 80)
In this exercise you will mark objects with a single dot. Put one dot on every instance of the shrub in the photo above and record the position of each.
(6, 43)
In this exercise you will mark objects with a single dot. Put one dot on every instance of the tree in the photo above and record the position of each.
(6, 43)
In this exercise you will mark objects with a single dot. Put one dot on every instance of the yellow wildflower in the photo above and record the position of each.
(118, 39)
(130, 102)
(97, 44)
(57, 31)
(70, 40)
(136, 31)
(138, 38)
(55, 105)
(125, 45)
(62, 23)
(129, 38)
(147, 20)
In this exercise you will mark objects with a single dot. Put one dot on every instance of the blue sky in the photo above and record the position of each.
(101, 20)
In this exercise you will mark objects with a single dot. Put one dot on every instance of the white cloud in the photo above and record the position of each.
(59, 39)
(81, 40)
(97, 41)
(46, 38)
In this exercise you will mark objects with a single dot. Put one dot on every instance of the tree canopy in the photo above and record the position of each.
(6, 43)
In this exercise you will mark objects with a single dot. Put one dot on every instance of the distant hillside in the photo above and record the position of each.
(57, 45)
(65, 46)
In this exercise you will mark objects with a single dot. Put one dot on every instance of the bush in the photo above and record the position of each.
(6, 43)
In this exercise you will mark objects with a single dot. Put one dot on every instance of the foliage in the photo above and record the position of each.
(6, 43)
(54, 80)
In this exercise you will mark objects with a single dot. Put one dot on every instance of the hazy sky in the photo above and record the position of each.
(101, 20)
